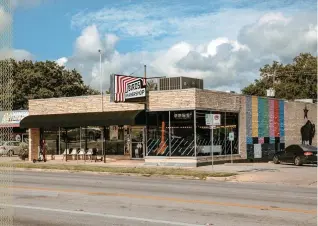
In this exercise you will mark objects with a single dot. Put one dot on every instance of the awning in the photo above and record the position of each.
(84, 119)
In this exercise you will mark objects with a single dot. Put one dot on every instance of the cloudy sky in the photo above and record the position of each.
(225, 42)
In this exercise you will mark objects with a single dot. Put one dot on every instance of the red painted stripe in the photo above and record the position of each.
(276, 118)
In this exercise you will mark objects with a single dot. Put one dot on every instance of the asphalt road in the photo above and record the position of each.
(51, 199)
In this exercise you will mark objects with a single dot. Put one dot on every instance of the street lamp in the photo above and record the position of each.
(101, 77)
(102, 102)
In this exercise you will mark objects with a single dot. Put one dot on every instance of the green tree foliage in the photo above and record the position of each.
(35, 80)
(297, 80)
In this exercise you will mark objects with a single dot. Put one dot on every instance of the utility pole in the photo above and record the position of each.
(102, 101)
(101, 78)
(146, 114)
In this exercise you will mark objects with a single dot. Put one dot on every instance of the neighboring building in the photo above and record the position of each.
(11, 119)
(177, 132)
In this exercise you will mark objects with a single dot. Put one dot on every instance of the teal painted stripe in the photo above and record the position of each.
(281, 118)
(266, 117)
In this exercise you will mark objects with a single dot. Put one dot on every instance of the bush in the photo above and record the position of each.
(24, 151)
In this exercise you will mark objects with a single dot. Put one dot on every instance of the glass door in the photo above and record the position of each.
(137, 142)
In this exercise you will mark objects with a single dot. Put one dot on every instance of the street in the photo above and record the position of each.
(44, 198)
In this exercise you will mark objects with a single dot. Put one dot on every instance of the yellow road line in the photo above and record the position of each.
(161, 198)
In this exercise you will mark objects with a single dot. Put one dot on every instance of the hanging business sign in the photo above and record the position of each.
(135, 89)
(124, 88)
(12, 118)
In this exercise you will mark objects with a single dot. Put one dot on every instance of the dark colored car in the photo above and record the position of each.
(298, 154)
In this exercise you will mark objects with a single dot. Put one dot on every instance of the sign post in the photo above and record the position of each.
(212, 120)
(231, 138)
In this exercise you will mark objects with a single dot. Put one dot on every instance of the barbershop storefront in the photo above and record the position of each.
(172, 130)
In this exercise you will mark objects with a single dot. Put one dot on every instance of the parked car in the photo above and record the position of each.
(10, 148)
(298, 154)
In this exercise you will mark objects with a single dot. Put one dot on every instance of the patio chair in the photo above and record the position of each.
(81, 153)
(89, 153)
(74, 153)
(66, 152)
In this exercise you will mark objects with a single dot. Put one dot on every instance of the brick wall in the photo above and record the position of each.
(158, 100)
(172, 99)
(207, 99)
(242, 128)
(34, 142)
(294, 120)
(77, 105)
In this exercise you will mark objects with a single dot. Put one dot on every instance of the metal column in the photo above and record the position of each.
(169, 134)
(195, 132)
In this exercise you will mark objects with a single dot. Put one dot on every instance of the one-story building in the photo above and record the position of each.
(172, 129)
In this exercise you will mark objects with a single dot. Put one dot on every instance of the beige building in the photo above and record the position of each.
(173, 130)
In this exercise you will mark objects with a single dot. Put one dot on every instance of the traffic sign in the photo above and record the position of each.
(209, 119)
(231, 136)
(212, 119)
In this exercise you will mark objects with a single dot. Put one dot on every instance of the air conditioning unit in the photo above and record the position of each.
(174, 83)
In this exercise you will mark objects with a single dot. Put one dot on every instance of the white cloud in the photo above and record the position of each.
(5, 20)
(227, 58)
(17, 54)
(62, 61)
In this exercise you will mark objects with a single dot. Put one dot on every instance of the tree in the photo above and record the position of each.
(297, 80)
(35, 80)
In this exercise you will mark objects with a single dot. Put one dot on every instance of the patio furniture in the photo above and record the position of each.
(74, 153)
(81, 153)
(65, 153)
(89, 153)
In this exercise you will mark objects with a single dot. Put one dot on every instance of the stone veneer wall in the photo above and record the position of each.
(294, 120)
(172, 100)
(158, 100)
(80, 104)
(34, 143)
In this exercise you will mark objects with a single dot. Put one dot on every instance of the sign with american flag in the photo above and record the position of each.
(126, 88)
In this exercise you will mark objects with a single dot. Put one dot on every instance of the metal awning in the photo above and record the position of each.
(84, 119)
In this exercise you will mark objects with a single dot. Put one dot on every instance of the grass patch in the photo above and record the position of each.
(144, 171)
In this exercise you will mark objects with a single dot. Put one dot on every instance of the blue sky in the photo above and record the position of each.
(223, 41)
(45, 29)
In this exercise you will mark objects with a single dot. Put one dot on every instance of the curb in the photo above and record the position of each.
(111, 173)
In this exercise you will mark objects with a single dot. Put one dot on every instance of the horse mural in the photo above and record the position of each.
(307, 132)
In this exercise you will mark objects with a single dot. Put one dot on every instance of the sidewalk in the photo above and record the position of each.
(268, 173)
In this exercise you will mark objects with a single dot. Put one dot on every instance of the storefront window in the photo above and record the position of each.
(158, 134)
(182, 133)
(115, 140)
(51, 138)
(221, 144)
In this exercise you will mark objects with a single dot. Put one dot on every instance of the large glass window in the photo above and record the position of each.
(51, 138)
(221, 143)
(115, 140)
(158, 134)
(182, 133)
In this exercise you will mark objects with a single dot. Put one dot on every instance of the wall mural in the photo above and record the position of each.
(265, 130)
(308, 130)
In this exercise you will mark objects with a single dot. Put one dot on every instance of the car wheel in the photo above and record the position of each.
(276, 159)
(34, 160)
(297, 161)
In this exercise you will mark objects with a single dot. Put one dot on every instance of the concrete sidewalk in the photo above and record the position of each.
(269, 173)
(247, 172)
